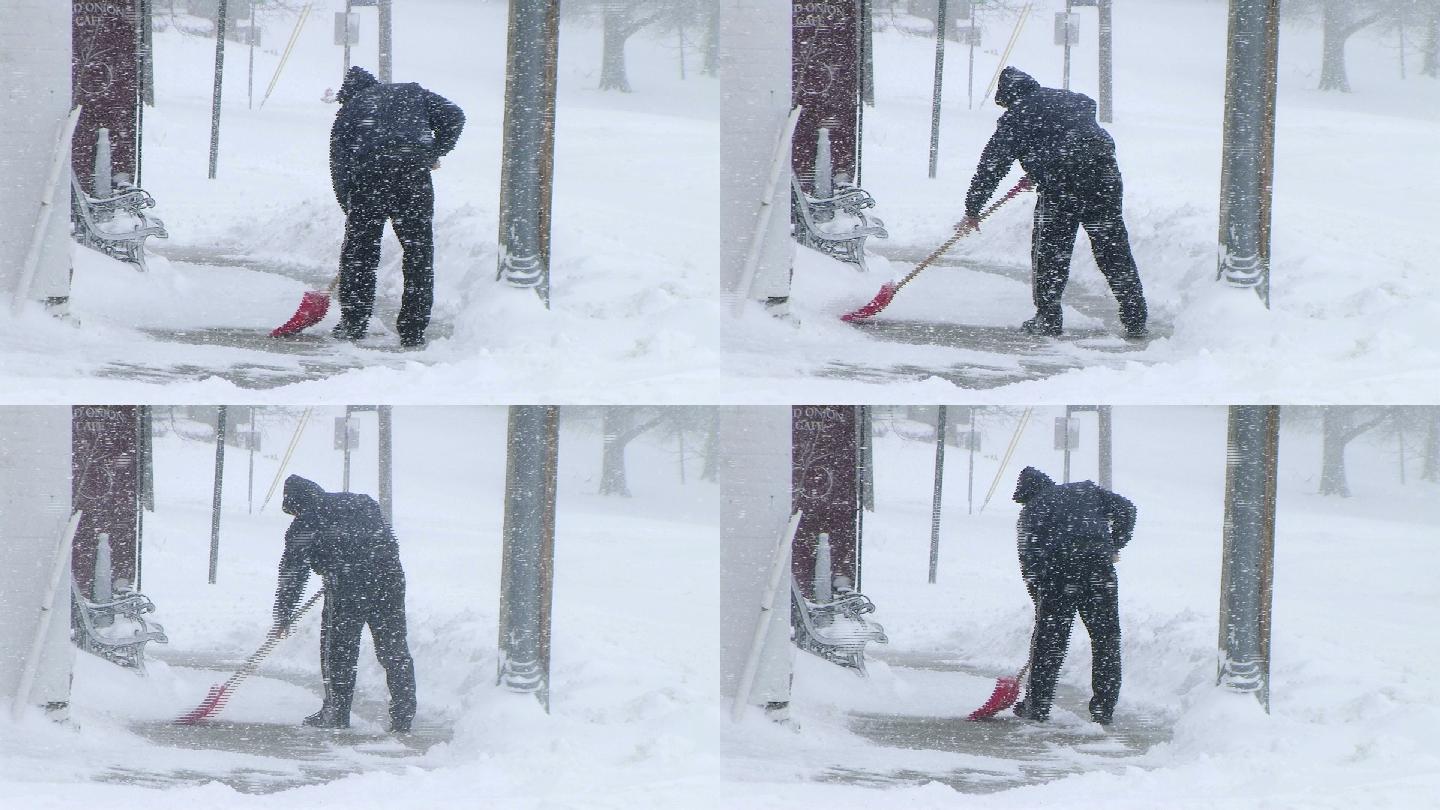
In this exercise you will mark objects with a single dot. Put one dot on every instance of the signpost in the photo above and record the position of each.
(105, 486)
(825, 83)
(105, 84)
(528, 562)
(1248, 159)
(825, 486)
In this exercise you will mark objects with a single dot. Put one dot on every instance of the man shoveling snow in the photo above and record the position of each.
(344, 538)
(1071, 160)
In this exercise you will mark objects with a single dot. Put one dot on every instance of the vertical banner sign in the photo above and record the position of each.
(825, 486)
(105, 485)
(825, 81)
(105, 81)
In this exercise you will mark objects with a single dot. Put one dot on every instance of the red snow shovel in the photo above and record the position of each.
(887, 292)
(1007, 689)
(220, 693)
(313, 306)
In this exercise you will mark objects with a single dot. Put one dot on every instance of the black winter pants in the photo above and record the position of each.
(1088, 588)
(351, 603)
(406, 198)
(1091, 196)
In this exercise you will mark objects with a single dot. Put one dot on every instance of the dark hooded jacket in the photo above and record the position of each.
(342, 536)
(383, 128)
(1063, 525)
(1053, 133)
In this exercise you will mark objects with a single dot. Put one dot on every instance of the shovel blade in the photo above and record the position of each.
(313, 306)
(1007, 689)
(207, 707)
(881, 300)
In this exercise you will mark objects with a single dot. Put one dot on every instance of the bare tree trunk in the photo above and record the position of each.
(1431, 470)
(711, 470)
(620, 427)
(1340, 429)
(1431, 66)
(1337, 30)
(612, 57)
(612, 454)
(711, 46)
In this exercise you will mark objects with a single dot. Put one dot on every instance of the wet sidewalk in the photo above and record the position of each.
(247, 356)
(1005, 752)
(1001, 355)
(264, 757)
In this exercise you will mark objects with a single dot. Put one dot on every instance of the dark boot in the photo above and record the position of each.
(1042, 326)
(328, 717)
(348, 330)
(1024, 713)
(1101, 714)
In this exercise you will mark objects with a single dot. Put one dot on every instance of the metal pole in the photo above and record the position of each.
(345, 480)
(1066, 443)
(386, 42)
(146, 444)
(1107, 427)
(1247, 571)
(974, 34)
(1107, 103)
(250, 487)
(1400, 429)
(349, 9)
(527, 566)
(970, 492)
(250, 77)
(822, 578)
(104, 178)
(528, 145)
(1246, 173)
(387, 465)
(215, 98)
(939, 73)
(867, 60)
(220, 420)
(935, 504)
(1066, 82)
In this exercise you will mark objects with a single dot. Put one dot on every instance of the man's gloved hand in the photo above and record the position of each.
(968, 224)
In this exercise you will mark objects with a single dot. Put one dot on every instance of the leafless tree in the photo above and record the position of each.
(1340, 426)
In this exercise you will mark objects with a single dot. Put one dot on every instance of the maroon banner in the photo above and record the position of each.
(824, 485)
(825, 81)
(105, 485)
(105, 82)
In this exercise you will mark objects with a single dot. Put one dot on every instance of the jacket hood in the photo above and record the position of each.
(357, 80)
(1014, 85)
(301, 495)
(1031, 481)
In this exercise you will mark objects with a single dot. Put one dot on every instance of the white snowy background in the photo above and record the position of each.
(1354, 682)
(633, 669)
(1353, 287)
(633, 263)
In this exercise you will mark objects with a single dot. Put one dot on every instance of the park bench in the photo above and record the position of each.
(116, 630)
(116, 225)
(836, 631)
(838, 225)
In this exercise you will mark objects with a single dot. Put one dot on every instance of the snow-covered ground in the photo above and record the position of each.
(1354, 683)
(634, 661)
(1353, 287)
(634, 315)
